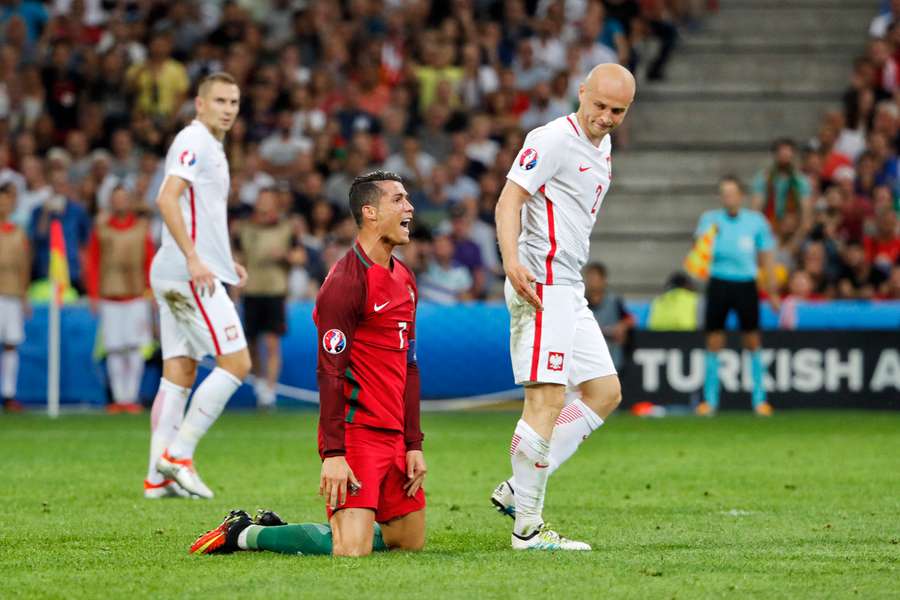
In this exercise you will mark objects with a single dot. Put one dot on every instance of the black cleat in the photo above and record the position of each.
(223, 539)
(267, 518)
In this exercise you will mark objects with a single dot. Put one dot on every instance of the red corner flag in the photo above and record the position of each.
(59, 266)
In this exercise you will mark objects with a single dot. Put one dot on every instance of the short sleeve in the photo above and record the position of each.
(184, 156)
(703, 224)
(764, 239)
(539, 158)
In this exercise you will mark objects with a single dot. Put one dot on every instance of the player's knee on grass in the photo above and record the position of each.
(406, 532)
(351, 549)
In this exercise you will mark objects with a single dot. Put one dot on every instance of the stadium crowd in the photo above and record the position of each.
(92, 92)
(834, 202)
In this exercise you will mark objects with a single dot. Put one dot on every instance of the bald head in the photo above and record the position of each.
(604, 96)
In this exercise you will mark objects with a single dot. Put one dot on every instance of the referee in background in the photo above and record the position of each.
(742, 237)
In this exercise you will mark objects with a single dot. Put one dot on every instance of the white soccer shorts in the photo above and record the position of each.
(12, 321)
(561, 344)
(195, 326)
(125, 324)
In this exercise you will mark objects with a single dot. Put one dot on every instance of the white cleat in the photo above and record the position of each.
(182, 471)
(546, 539)
(169, 488)
(504, 499)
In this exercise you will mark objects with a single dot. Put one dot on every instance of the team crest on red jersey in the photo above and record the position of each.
(334, 341)
(528, 159)
(555, 361)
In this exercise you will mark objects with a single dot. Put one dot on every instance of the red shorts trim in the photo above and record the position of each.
(378, 459)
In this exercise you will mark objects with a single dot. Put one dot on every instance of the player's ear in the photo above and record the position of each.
(369, 212)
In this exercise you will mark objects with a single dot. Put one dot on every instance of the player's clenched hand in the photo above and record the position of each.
(336, 475)
(415, 472)
(521, 279)
(242, 275)
(202, 278)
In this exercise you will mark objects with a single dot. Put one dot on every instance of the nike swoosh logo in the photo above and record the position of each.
(540, 466)
(582, 169)
(380, 306)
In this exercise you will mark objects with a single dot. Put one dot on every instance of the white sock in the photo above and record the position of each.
(9, 373)
(242, 537)
(528, 450)
(165, 419)
(575, 423)
(117, 371)
(135, 374)
(207, 404)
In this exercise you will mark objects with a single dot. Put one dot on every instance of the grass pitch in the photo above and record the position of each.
(802, 505)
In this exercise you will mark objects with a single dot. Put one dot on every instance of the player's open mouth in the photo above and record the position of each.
(405, 224)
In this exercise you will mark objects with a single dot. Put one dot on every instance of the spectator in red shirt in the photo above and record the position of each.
(883, 248)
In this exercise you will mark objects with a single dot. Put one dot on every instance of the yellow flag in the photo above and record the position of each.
(699, 259)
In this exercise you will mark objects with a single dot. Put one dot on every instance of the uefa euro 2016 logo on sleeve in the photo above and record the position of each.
(334, 341)
(528, 159)
(187, 158)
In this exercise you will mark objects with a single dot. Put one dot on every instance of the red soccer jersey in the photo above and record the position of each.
(365, 315)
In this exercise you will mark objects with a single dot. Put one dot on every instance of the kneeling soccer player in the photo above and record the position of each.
(370, 440)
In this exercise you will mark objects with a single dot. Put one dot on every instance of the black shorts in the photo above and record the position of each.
(722, 296)
(264, 314)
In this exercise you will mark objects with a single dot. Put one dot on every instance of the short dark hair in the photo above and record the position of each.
(598, 267)
(365, 191)
(732, 178)
(783, 141)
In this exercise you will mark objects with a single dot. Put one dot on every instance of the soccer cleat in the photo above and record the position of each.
(267, 518)
(705, 410)
(545, 538)
(183, 472)
(169, 488)
(223, 539)
(504, 499)
(763, 409)
(11, 405)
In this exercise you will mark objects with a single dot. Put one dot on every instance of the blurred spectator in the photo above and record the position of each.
(609, 310)
(882, 248)
(781, 188)
(161, 84)
(878, 28)
(37, 191)
(15, 272)
(117, 278)
(858, 279)
(814, 263)
(800, 289)
(892, 287)
(676, 309)
(543, 108)
(445, 280)
(466, 251)
(268, 245)
(412, 163)
(76, 226)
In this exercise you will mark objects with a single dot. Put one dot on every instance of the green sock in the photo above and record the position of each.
(303, 538)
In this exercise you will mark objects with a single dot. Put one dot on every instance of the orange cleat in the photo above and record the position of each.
(763, 410)
(705, 410)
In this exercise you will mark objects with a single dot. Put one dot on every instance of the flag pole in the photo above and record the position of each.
(53, 354)
(59, 281)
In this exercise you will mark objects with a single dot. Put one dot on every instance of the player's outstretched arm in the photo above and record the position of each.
(172, 189)
(509, 226)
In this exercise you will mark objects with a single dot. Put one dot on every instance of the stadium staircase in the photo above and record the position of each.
(757, 70)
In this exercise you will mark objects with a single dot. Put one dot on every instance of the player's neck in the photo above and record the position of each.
(584, 130)
(216, 133)
(376, 248)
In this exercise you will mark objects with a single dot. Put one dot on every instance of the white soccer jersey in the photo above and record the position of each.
(199, 158)
(567, 177)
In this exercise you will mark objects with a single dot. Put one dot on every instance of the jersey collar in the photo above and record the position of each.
(573, 121)
(364, 258)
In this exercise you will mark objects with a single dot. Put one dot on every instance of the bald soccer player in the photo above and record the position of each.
(545, 215)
